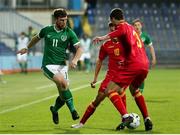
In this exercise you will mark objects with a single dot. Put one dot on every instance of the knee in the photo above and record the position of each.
(61, 83)
(135, 93)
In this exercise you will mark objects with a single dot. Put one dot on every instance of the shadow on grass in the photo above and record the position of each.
(67, 131)
(157, 101)
(135, 131)
(78, 131)
(126, 131)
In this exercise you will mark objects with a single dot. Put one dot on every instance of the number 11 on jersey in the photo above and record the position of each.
(55, 42)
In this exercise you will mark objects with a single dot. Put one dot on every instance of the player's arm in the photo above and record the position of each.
(98, 39)
(148, 41)
(77, 56)
(102, 55)
(32, 42)
(153, 55)
(117, 33)
(97, 69)
(75, 42)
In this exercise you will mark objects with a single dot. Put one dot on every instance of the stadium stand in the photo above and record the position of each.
(5, 50)
(161, 21)
(14, 23)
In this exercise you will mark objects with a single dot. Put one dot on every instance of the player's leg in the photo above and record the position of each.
(141, 88)
(140, 101)
(92, 107)
(25, 67)
(139, 98)
(121, 79)
(54, 109)
(24, 63)
(112, 93)
(99, 98)
(122, 94)
(62, 85)
(90, 110)
(21, 66)
(19, 61)
(87, 64)
(67, 95)
(48, 72)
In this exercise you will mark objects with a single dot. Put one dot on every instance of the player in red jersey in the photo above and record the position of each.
(135, 68)
(115, 52)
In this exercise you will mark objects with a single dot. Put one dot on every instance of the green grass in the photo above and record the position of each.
(162, 93)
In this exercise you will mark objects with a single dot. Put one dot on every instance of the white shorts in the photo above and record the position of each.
(51, 70)
(22, 58)
(85, 56)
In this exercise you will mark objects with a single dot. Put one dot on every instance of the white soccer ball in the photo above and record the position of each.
(136, 121)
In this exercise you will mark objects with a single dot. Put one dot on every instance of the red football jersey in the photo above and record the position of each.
(115, 52)
(135, 54)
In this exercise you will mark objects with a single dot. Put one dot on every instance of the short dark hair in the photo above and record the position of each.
(60, 12)
(136, 20)
(117, 14)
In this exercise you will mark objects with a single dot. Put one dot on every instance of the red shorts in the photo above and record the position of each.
(105, 82)
(130, 77)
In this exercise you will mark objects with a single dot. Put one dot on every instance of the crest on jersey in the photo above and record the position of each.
(63, 37)
(116, 52)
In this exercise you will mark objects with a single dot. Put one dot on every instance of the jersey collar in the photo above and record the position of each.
(58, 30)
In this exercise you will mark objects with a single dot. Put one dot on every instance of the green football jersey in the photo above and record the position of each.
(146, 39)
(56, 43)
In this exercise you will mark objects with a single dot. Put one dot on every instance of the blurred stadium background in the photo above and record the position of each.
(25, 99)
(161, 20)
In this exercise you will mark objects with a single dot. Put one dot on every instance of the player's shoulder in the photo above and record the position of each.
(48, 27)
(144, 33)
(68, 29)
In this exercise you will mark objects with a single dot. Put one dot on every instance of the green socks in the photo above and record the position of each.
(141, 88)
(68, 99)
(58, 104)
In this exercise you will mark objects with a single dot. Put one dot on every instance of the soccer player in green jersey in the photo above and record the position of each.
(147, 42)
(57, 37)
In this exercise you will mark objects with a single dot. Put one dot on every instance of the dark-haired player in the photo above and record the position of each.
(115, 53)
(135, 71)
(57, 37)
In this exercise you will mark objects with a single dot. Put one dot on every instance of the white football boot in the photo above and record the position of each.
(79, 125)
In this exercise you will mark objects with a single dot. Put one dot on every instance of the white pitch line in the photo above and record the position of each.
(45, 86)
(41, 100)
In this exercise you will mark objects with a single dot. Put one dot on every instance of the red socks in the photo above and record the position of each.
(117, 102)
(123, 97)
(141, 103)
(89, 111)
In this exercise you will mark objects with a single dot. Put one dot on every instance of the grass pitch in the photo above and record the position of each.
(25, 101)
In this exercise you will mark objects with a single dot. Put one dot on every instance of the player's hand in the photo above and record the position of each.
(96, 40)
(93, 83)
(73, 64)
(22, 51)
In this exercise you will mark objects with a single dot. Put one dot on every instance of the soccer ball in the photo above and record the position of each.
(136, 121)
